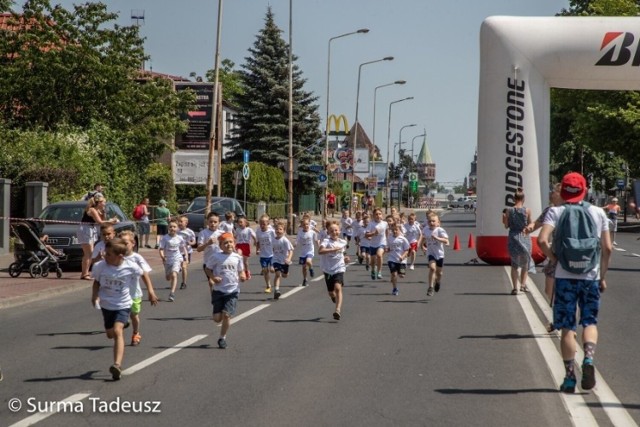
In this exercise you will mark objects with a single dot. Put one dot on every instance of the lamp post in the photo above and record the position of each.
(388, 148)
(326, 148)
(412, 163)
(290, 210)
(355, 135)
(375, 94)
(400, 160)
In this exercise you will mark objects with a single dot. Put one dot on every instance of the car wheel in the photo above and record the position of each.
(14, 269)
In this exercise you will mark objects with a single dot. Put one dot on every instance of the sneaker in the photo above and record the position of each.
(360, 259)
(430, 291)
(304, 282)
(267, 290)
(147, 246)
(379, 276)
(373, 274)
(157, 247)
(116, 372)
(276, 294)
(437, 287)
(248, 275)
(172, 297)
(411, 267)
(311, 273)
(183, 285)
(588, 375)
(222, 343)
(135, 339)
(568, 385)
(336, 315)
(395, 291)
(367, 267)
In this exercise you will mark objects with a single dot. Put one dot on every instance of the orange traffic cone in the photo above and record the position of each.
(472, 241)
(456, 243)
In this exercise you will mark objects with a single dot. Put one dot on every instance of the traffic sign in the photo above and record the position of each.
(413, 185)
(346, 186)
(413, 177)
(620, 183)
(322, 177)
(245, 156)
(245, 171)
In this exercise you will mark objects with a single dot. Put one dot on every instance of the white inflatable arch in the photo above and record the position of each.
(520, 59)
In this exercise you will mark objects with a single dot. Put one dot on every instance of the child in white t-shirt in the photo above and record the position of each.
(413, 232)
(282, 254)
(208, 240)
(305, 243)
(334, 264)
(173, 251)
(433, 240)
(244, 237)
(189, 237)
(264, 247)
(107, 232)
(397, 258)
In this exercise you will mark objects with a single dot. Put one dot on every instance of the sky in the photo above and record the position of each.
(435, 45)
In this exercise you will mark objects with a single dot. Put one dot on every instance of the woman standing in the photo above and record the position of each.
(516, 219)
(162, 221)
(94, 214)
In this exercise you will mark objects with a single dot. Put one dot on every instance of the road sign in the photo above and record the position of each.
(620, 183)
(316, 168)
(413, 176)
(245, 156)
(346, 186)
(413, 185)
(322, 177)
(245, 171)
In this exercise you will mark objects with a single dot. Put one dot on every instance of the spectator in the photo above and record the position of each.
(97, 189)
(516, 219)
(162, 220)
(94, 214)
(144, 225)
(331, 203)
(612, 210)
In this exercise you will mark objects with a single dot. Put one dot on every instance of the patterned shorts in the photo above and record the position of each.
(571, 294)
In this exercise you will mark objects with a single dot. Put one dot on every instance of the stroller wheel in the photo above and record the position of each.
(58, 272)
(14, 269)
(35, 269)
(45, 272)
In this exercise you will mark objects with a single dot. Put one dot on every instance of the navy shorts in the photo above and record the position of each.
(439, 261)
(571, 294)
(331, 279)
(303, 259)
(282, 268)
(396, 267)
(224, 303)
(373, 251)
(110, 317)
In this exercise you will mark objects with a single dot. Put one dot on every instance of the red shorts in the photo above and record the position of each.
(245, 248)
(414, 246)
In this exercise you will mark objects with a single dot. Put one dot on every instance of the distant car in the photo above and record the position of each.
(463, 202)
(219, 205)
(63, 236)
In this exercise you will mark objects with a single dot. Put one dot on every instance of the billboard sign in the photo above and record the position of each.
(192, 167)
(198, 120)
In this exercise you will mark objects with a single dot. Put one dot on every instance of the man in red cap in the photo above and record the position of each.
(577, 290)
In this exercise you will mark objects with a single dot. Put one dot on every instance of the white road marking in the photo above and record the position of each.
(31, 420)
(575, 404)
(168, 352)
(292, 291)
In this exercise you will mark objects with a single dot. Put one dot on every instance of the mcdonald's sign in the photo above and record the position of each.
(336, 121)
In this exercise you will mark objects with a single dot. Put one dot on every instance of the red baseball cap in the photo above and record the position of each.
(573, 187)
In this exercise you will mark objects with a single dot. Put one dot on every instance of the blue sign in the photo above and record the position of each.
(316, 168)
(620, 183)
(322, 177)
(245, 155)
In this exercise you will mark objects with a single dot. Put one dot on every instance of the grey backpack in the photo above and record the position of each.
(576, 242)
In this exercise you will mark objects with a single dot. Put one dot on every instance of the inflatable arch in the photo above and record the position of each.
(520, 59)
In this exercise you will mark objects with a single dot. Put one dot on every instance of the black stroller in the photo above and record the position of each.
(35, 256)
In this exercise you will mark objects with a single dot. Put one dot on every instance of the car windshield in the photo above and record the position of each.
(62, 213)
(224, 205)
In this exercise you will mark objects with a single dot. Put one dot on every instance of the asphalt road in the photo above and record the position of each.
(470, 355)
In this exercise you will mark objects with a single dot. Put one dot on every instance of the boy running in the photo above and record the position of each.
(208, 240)
(244, 237)
(305, 241)
(377, 232)
(189, 237)
(282, 254)
(397, 260)
(265, 235)
(334, 264)
(433, 240)
(107, 233)
(173, 251)
(413, 233)
(365, 242)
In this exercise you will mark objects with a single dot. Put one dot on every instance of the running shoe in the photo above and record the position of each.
(437, 287)
(304, 282)
(430, 291)
(116, 372)
(336, 315)
(248, 275)
(267, 290)
(395, 291)
(588, 375)
(360, 259)
(379, 276)
(222, 343)
(411, 267)
(568, 385)
(276, 294)
(135, 339)
(373, 274)
(367, 267)
(311, 273)
(172, 297)
(183, 285)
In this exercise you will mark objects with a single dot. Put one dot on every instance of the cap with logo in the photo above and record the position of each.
(573, 187)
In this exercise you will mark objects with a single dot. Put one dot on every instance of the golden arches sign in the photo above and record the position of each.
(337, 121)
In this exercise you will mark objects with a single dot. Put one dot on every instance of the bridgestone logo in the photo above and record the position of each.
(514, 138)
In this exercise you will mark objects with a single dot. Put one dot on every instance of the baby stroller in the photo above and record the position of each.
(36, 256)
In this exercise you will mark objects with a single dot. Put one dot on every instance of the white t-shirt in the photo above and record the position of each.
(381, 238)
(136, 258)
(265, 242)
(412, 232)
(228, 267)
(226, 227)
(203, 237)
(305, 242)
(117, 283)
(281, 249)
(244, 235)
(602, 225)
(364, 241)
(333, 262)
(98, 249)
(189, 237)
(398, 246)
(172, 247)
(346, 225)
(435, 248)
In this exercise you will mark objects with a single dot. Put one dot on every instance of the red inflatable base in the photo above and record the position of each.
(493, 250)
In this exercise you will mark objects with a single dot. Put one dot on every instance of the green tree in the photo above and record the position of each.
(263, 118)
(232, 84)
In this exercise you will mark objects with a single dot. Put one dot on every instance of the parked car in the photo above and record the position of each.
(219, 205)
(63, 236)
(463, 202)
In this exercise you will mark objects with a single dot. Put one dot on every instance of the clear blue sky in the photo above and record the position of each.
(435, 45)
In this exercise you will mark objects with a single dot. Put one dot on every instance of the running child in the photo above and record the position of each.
(433, 240)
(244, 237)
(365, 242)
(397, 259)
(377, 232)
(189, 237)
(305, 243)
(265, 236)
(208, 241)
(173, 251)
(357, 226)
(227, 226)
(282, 254)
(334, 264)
(107, 232)
(226, 270)
(413, 232)
(346, 224)
(129, 239)
(114, 278)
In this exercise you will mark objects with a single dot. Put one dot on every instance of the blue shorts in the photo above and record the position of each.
(224, 303)
(265, 262)
(396, 267)
(571, 294)
(373, 251)
(439, 261)
(110, 317)
(364, 250)
(283, 268)
(303, 259)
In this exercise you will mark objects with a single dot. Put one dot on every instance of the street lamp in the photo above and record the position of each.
(411, 163)
(386, 180)
(400, 160)
(355, 135)
(375, 94)
(326, 149)
(290, 216)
